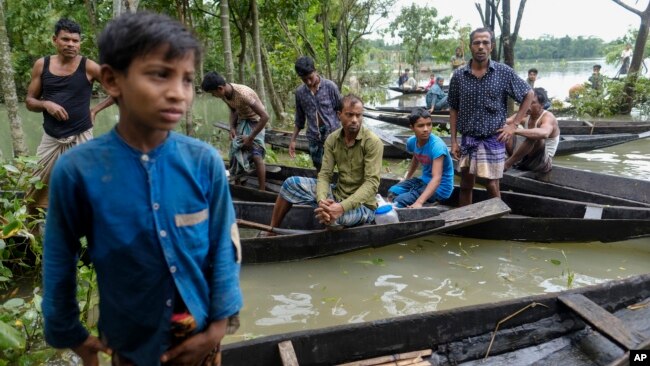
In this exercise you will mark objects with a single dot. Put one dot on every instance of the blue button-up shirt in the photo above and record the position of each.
(154, 222)
(311, 105)
(482, 104)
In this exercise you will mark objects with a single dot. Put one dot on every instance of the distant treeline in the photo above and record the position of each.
(548, 48)
(545, 48)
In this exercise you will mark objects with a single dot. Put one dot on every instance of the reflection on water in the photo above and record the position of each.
(630, 159)
(429, 274)
(294, 308)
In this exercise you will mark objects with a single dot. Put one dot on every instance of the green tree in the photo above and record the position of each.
(419, 30)
(638, 53)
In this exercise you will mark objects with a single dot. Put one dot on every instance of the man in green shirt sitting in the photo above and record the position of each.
(357, 152)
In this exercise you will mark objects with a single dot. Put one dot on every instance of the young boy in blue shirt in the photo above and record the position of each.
(154, 207)
(437, 180)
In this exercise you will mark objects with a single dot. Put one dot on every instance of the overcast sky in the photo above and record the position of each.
(600, 18)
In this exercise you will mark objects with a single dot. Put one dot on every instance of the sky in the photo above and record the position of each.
(599, 18)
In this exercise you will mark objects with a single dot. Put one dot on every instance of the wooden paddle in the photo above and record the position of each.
(271, 229)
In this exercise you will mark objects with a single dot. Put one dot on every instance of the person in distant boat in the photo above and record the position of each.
(458, 59)
(596, 79)
(431, 153)
(478, 95)
(356, 152)
(411, 84)
(542, 134)
(61, 87)
(316, 102)
(403, 78)
(626, 57)
(432, 82)
(532, 77)
(436, 98)
(248, 117)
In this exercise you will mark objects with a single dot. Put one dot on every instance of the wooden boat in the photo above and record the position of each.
(578, 127)
(592, 325)
(568, 144)
(567, 126)
(581, 185)
(402, 120)
(312, 240)
(532, 218)
(535, 218)
(277, 138)
(282, 138)
(404, 110)
(407, 91)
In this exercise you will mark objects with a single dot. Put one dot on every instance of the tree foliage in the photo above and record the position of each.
(420, 30)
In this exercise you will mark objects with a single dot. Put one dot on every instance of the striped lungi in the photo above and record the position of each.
(48, 152)
(302, 191)
(484, 157)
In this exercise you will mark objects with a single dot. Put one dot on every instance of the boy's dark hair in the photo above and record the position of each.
(211, 81)
(66, 25)
(482, 30)
(133, 35)
(407, 70)
(597, 66)
(349, 99)
(439, 78)
(418, 113)
(533, 70)
(541, 95)
(304, 66)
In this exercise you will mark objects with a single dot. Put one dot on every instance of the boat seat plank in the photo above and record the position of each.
(601, 319)
(492, 206)
(287, 354)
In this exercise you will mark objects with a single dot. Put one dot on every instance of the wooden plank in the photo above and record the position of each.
(602, 320)
(287, 354)
(390, 358)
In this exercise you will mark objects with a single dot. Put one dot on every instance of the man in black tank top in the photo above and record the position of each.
(60, 88)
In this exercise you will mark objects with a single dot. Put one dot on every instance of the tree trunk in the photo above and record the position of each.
(326, 37)
(276, 102)
(257, 52)
(225, 39)
(91, 9)
(189, 121)
(9, 90)
(508, 51)
(122, 6)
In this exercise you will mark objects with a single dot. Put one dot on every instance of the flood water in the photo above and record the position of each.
(432, 273)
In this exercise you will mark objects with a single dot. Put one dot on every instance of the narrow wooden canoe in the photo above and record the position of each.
(320, 242)
(404, 110)
(533, 218)
(595, 324)
(408, 91)
(400, 119)
(568, 144)
(567, 126)
(580, 185)
(277, 138)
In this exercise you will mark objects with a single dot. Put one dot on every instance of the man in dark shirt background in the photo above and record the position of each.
(316, 102)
